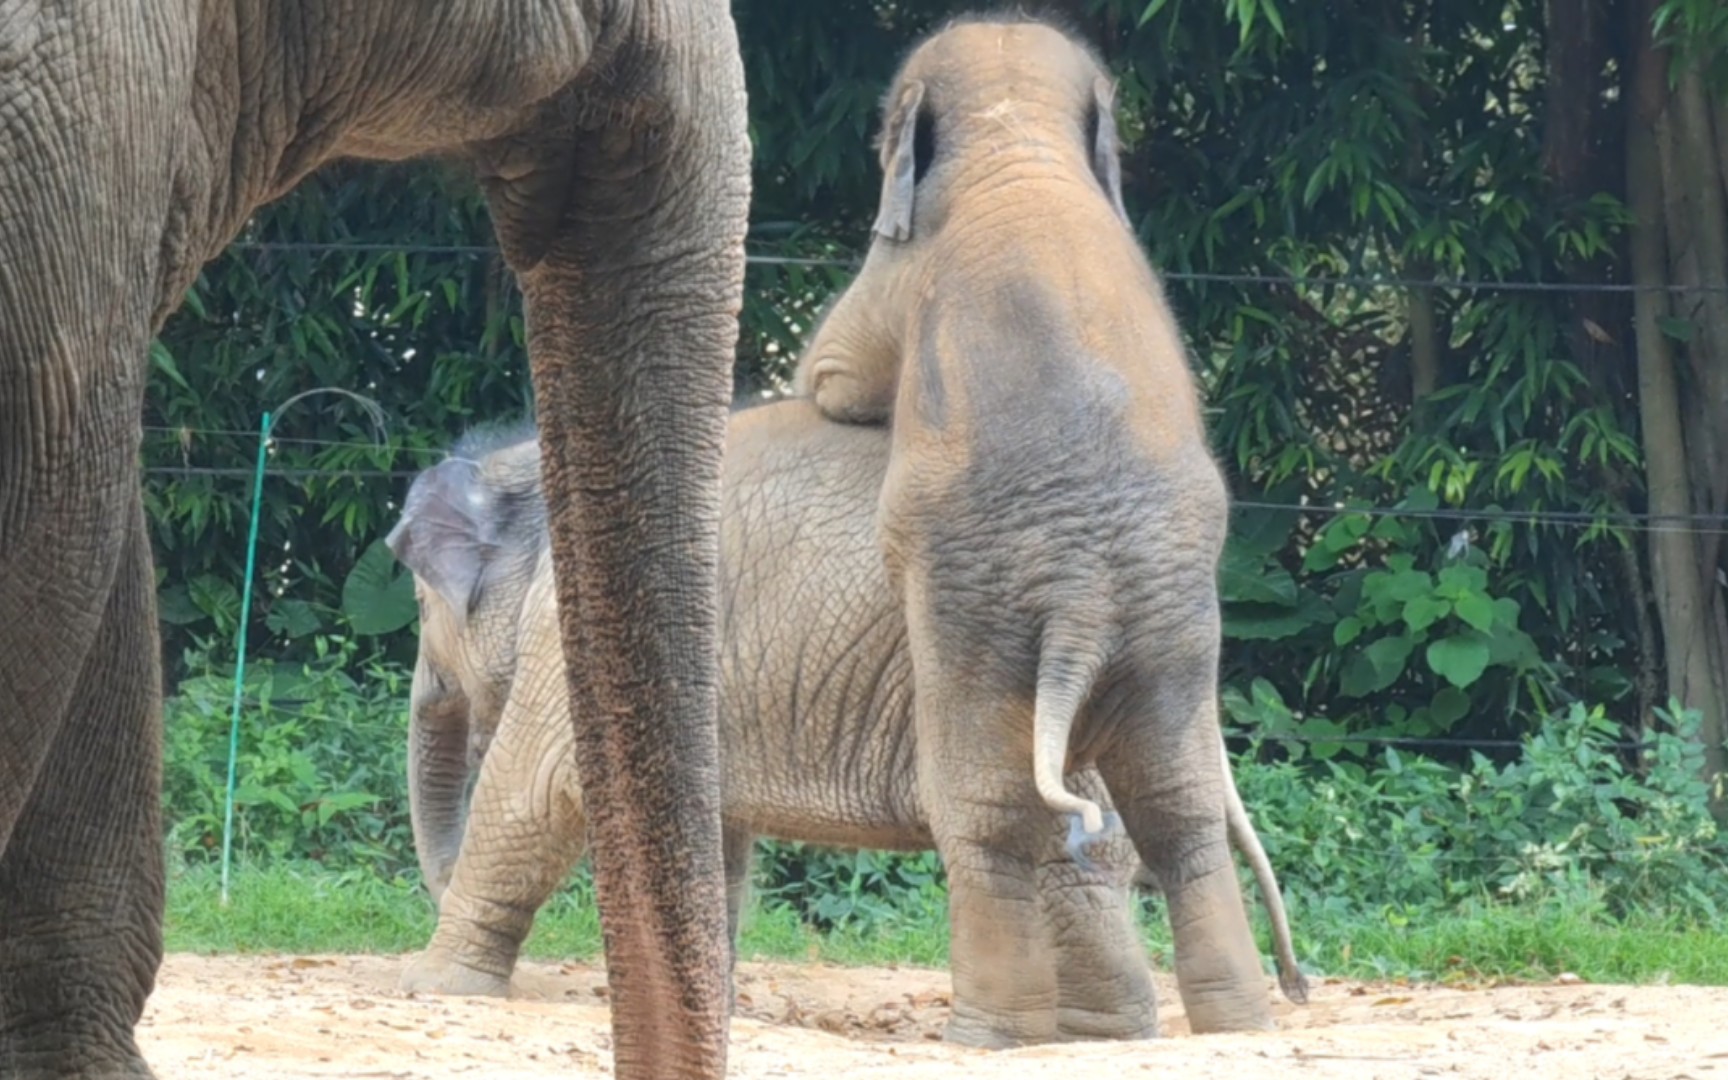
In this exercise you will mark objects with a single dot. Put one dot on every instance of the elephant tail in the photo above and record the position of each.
(1067, 666)
(1242, 835)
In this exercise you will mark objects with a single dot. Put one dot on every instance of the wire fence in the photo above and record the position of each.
(1707, 524)
(1408, 742)
(1701, 524)
(1296, 738)
(1563, 518)
(1360, 281)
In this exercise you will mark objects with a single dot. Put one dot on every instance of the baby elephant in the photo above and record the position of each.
(1051, 518)
(816, 709)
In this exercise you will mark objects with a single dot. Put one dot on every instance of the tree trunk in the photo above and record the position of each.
(1674, 179)
(1424, 336)
(1719, 114)
(1424, 319)
(1583, 153)
(1580, 157)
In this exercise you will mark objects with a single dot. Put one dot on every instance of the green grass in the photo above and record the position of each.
(1526, 943)
(304, 909)
(294, 908)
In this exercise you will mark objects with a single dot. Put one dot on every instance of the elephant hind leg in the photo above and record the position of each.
(1103, 981)
(1162, 771)
(987, 818)
(81, 878)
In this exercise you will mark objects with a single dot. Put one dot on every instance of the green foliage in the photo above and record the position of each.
(864, 891)
(322, 779)
(1568, 820)
(378, 597)
(1697, 32)
(322, 770)
(1259, 138)
(1387, 646)
(1480, 942)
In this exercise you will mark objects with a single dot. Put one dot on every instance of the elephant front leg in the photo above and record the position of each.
(1103, 983)
(1162, 770)
(81, 877)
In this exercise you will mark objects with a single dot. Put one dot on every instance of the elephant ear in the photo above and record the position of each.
(902, 167)
(448, 533)
(1106, 146)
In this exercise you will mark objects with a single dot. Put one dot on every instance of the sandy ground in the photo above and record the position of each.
(341, 1016)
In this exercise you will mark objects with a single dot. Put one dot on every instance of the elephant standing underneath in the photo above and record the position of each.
(817, 741)
(136, 140)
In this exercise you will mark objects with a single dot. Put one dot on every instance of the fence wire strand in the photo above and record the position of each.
(1354, 281)
(1696, 524)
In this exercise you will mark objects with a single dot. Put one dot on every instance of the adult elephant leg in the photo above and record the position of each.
(525, 832)
(739, 854)
(1161, 767)
(976, 779)
(632, 307)
(1103, 981)
(84, 202)
(81, 885)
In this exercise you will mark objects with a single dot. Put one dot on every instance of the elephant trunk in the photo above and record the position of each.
(1066, 668)
(437, 777)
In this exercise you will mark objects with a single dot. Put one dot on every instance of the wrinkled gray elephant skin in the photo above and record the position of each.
(816, 707)
(135, 142)
(1052, 516)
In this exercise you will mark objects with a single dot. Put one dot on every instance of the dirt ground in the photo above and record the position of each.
(341, 1016)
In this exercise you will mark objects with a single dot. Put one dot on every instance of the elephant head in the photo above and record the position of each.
(473, 533)
(961, 117)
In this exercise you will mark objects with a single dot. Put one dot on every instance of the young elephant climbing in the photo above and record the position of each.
(816, 707)
(1052, 516)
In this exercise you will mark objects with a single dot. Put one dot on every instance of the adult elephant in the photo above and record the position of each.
(135, 140)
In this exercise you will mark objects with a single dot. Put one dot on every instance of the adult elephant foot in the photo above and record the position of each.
(474, 949)
(438, 972)
(127, 1067)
